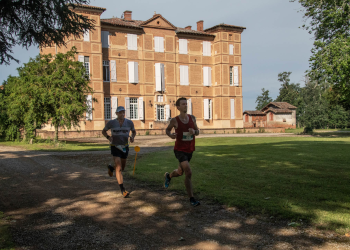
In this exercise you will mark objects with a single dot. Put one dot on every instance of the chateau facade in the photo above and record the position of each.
(146, 66)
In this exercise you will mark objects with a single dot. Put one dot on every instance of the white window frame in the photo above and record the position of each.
(87, 66)
(231, 75)
(160, 113)
(159, 44)
(107, 108)
(134, 114)
(183, 46)
(132, 42)
(160, 98)
(184, 75)
(106, 71)
(105, 39)
(231, 49)
(208, 109)
(206, 48)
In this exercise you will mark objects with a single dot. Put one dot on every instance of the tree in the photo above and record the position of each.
(289, 92)
(48, 89)
(263, 99)
(330, 59)
(45, 22)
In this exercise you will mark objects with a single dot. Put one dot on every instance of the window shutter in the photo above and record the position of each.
(232, 108)
(231, 49)
(206, 109)
(113, 66)
(182, 75)
(211, 109)
(114, 107)
(158, 77)
(189, 106)
(204, 48)
(87, 35)
(208, 48)
(167, 112)
(235, 76)
(81, 58)
(136, 72)
(127, 107)
(130, 43)
(186, 76)
(134, 42)
(89, 107)
(183, 46)
(209, 76)
(156, 44)
(162, 76)
(141, 109)
(131, 66)
(205, 76)
(161, 44)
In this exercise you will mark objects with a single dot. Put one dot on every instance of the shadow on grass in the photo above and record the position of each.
(59, 201)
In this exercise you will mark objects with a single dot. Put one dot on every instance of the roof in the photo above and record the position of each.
(278, 111)
(155, 17)
(193, 32)
(281, 105)
(254, 112)
(88, 7)
(122, 22)
(227, 26)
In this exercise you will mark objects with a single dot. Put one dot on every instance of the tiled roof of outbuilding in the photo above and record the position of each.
(281, 105)
(222, 25)
(278, 111)
(253, 112)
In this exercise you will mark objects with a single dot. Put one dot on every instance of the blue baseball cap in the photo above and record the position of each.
(120, 108)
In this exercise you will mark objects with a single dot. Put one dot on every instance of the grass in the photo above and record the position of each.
(5, 237)
(292, 178)
(48, 145)
(317, 131)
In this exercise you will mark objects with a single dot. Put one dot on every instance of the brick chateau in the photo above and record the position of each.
(146, 66)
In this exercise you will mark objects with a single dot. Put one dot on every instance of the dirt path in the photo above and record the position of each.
(67, 201)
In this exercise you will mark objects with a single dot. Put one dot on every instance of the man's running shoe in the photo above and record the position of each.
(167, 180)
(194, 202)
(125, 193)
(110, 170)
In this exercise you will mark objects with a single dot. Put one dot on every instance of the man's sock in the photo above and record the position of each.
(121, 188)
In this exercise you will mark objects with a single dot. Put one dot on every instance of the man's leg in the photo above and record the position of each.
(188, 175)
(119, 167)
(123, 163)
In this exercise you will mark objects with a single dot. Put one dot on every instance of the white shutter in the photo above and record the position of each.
(105, 39)
(183, 46)
(113, 66)
(89, 107)
(209, 76)
(158, 77)
(232, 108)
(182, 75)
(131, 66)
(127, 107)
(130, 45)
(206, 109)
(141, 109)
(162, 76)
(167, 112)
(81, 59)
(204, 48)
(87, 35)
(208, 48)
(186, 75)
(136, 72)
(231, 49)
(161, 44)
(189, 106)
(134, 42)
(114, 107)
(235, 76)
(156, 44)
(211, 109)
(205, 76)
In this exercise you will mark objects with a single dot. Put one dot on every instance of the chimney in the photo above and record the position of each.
(127, 15)
(200, 25)
(188, 27)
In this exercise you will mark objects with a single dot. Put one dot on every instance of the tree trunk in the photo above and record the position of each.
(56, 133)
(24, 134)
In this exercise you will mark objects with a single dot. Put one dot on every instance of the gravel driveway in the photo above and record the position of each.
(67, 201)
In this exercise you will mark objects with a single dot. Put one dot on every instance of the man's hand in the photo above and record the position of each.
(110, 139)
(131, 139)
(192, 131)
(173, 136)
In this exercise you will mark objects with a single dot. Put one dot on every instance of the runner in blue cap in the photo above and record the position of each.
(120, 130)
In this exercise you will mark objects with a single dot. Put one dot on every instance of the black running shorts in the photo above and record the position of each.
(182, 156)
(117, 153)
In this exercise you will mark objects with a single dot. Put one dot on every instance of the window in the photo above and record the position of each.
(160, 113)
(87, 35)
(231, 76)
(182, 46)
(87, 65)
(207, 76)
(106, 71)
(107, 108)
(133, 109)
(132, 42)
(113, 70)
(158, 44)
(133, 72)
(234, 79)
(231, 49)
(89, 107)
(160, 98)
(184, 75)
(105, 39)
(208, 110)
(206, 48)
(160, 77)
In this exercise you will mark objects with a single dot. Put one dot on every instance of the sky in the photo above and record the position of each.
(271, 44)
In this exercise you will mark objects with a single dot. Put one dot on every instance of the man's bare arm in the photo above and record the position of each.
(170, 127)
(104, 132)
(196, 129)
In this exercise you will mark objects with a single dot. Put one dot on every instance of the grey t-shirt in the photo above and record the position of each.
(120, 135)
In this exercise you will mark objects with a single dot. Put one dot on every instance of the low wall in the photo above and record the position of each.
(97, 133)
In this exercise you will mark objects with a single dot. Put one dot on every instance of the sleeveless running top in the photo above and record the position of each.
(184, 141)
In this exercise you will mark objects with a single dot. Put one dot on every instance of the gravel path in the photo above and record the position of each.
(65, 200)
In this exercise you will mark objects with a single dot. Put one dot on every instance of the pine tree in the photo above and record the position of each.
(263, 99)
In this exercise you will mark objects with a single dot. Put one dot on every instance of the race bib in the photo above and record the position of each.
(186, 136)
(121, 148)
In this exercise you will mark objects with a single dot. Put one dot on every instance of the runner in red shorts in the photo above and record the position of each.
(185, 131)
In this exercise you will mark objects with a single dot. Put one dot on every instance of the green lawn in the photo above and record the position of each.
(300, 130)
(294, 178)
(5, 237)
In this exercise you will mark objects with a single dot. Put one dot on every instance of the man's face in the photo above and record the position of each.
(121, 114)
(183, 106)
